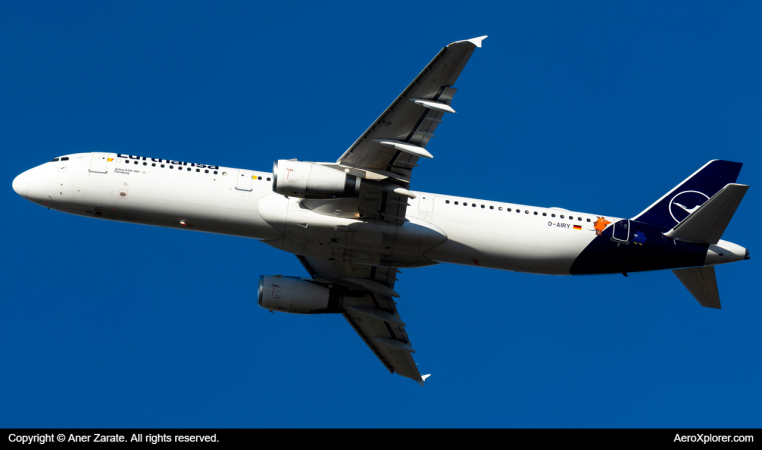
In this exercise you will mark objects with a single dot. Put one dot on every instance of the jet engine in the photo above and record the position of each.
(310, 180)
(297, 296)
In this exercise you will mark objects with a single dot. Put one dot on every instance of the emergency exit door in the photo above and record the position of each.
(426, 203)
(244, 180)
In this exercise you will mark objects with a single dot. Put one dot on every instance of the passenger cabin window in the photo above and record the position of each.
(456, 203)
(482, 206)
(535, 213)
(552, 215)
(544, 214)
(447, 201)
(491, 207)
(500, 208)
(588, 220)
(508, 209)
(562, 216)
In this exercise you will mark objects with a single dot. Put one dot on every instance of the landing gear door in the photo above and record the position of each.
(98, 162)
(621, 231)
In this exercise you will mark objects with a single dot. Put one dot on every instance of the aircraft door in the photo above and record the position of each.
(620, 232)
(426, 203)
(98, 162)
(244, 180)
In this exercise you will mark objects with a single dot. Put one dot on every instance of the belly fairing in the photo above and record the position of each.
(375, 242)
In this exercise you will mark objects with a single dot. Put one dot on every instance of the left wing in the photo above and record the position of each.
(370, 308)
(389, 149)
(391, 146)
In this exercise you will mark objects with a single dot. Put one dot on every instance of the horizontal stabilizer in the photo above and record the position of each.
(706, 224)
(702, 284)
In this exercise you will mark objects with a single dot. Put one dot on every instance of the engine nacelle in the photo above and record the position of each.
(309, 180)
(297, 296)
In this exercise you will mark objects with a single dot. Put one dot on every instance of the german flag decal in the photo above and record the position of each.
(577, 227)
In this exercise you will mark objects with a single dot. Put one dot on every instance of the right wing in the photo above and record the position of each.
(370, 308)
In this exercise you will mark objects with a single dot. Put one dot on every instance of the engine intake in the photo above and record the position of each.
(297, 296)
(310, 180)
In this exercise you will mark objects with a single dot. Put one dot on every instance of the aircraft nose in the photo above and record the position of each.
(20, 184)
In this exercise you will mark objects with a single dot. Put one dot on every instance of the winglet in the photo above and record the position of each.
(422, 381)
(477, 41)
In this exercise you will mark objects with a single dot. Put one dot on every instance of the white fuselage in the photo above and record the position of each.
(239, 202)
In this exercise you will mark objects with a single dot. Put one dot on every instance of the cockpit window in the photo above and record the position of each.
(65, 158)
(54, 160)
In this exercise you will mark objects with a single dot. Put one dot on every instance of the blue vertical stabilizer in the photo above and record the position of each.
(686, 197)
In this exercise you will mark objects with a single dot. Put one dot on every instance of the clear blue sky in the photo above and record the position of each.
(594, 107)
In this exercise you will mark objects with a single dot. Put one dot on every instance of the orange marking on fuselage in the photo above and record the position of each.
(600, 225)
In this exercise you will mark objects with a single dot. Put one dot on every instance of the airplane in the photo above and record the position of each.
(354, 223)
